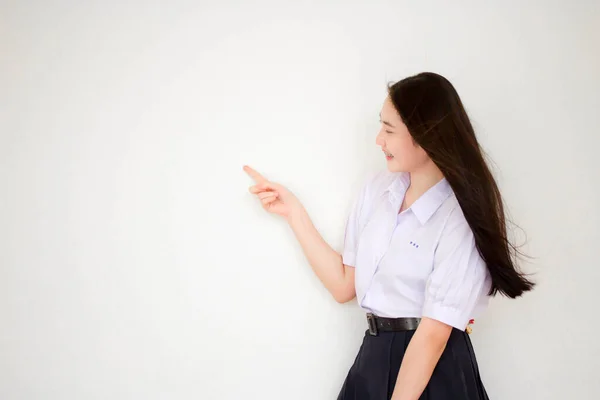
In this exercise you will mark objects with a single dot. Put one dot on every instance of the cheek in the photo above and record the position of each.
(404, 148)
(419, 155)
(408, 155)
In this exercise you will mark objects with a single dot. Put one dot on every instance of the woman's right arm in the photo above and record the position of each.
(327, 264)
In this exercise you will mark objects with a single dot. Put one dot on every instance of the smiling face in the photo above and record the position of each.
(401, 152)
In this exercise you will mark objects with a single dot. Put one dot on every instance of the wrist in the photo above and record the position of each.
(296, 214)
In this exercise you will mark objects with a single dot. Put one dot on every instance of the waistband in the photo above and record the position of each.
(382, 324)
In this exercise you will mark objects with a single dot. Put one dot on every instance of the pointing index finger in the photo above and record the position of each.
(258, 178)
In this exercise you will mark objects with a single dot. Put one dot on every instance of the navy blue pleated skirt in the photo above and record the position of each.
(375, 369)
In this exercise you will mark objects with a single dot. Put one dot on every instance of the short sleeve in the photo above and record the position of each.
(460, 279)
(354, 224)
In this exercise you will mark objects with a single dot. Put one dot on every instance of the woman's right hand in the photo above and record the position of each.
(325, 261)
(274, 197)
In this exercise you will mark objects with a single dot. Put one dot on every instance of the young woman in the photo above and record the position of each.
(425, 247)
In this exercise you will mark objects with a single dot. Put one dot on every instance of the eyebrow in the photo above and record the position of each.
(385, 122)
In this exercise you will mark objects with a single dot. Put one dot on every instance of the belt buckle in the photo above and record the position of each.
(372, 324)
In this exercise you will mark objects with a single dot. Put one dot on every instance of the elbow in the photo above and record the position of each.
(343, 295)
(435, 333)
(342, 299)
(343, 289)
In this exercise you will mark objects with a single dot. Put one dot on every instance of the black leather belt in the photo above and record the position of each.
(381, 324)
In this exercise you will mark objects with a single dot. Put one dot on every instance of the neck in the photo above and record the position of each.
(423, 179)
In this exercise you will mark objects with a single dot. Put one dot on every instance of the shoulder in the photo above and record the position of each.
(450, 213)
(456, 231)
(371, 192)
(377, 183)
(456, 243)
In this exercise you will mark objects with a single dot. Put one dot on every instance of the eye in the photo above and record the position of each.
(388, 131)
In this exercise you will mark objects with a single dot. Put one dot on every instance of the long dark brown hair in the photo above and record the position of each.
(437, 120)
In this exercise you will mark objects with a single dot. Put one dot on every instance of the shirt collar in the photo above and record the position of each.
(398, 187)
(426, 205)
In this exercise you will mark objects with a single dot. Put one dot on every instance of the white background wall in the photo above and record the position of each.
(134, 264)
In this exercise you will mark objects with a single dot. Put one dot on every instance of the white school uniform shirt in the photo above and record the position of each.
(421, 262)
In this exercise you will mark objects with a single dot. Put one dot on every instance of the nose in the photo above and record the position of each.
(379, 139)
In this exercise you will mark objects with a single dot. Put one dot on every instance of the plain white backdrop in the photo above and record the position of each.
(134, 264)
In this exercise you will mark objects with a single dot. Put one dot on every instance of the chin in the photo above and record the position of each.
(393, 166)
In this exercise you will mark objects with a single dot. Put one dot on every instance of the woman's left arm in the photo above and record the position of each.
(458, 281)
(421, 357)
